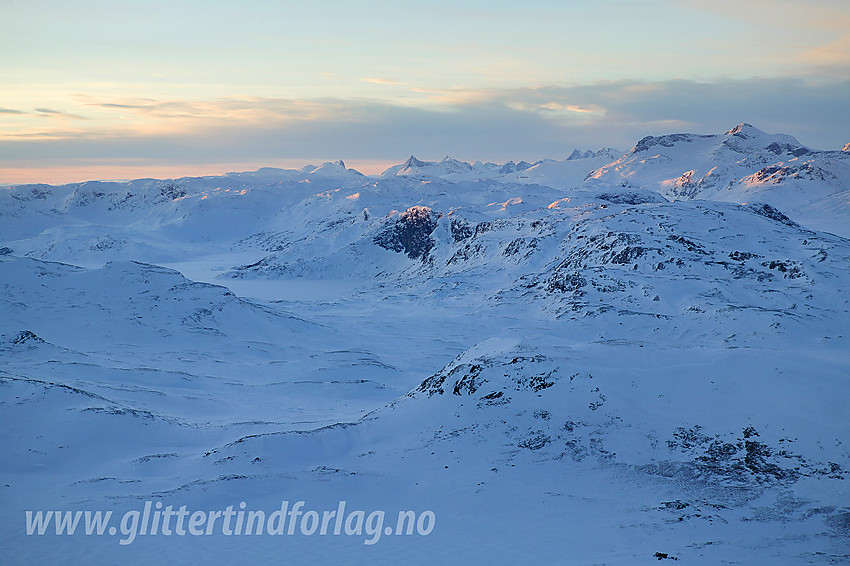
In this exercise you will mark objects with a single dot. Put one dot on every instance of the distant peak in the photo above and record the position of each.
(413, 162)
(338, 164)
(744, 129)
(330, 168)
(509, 167)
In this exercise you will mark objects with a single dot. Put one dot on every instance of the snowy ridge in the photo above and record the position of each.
(560, 173)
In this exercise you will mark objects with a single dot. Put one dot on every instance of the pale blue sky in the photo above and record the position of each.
(90, 84)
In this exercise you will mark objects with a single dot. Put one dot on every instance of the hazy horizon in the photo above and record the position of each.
(119, 90)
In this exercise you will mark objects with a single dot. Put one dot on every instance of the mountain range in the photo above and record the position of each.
(615, 358)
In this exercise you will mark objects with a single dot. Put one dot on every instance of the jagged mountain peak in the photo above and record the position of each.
(413, 162)
(608, 152)
(414, 167)
(338, 164)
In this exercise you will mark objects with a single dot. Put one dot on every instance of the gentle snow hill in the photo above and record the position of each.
(602, 439)
(134, 364)
(742, 165)
(128, 303)
(154, 220)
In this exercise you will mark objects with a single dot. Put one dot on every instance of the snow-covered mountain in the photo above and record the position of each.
(567, 362)
(742, 165)
(447, 168)
(560, 174)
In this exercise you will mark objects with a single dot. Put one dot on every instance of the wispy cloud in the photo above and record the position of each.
(120, 106)
(52, 113)
(383, 81)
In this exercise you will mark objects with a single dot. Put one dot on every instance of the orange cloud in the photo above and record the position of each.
(834, 53)
(383, 81)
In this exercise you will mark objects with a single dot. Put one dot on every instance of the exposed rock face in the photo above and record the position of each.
(786, 148)
(460, 229)
(664, 141)
(410, 232)
(172, 191)
(768, 211)
(511, 167)
(631, 197)
(25, 336)
(776, 174)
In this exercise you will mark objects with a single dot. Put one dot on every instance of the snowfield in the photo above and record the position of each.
(610, 359)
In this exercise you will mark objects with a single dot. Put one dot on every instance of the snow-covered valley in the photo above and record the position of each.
(610, 359)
